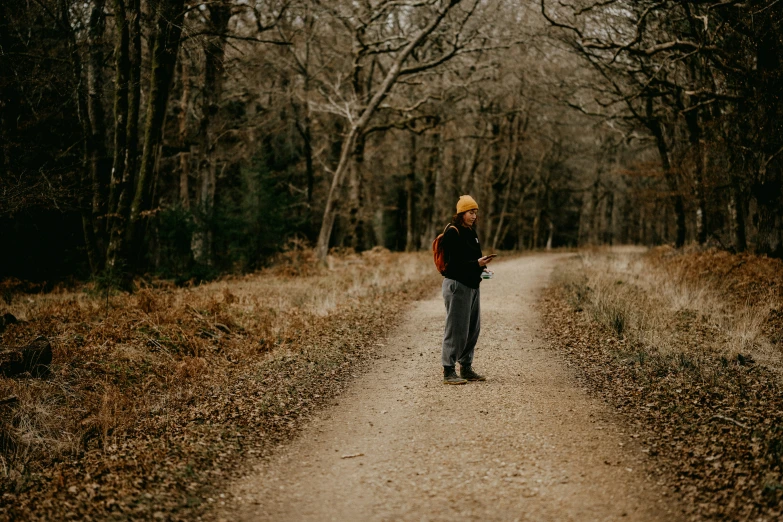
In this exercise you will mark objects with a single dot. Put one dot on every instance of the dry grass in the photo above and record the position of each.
(135, 375)
(659, 298)
(688, 346)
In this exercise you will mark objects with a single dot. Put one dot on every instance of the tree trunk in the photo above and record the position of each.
(770, 218)
(487, 196)
(163, 60)
(434, 170)
(305, 131)
(540, 185)
(410, 199)
(656, 128)
(427, 207)
(307, 135)
(512, 164)
(184, 154)
(536, 220)
(767, 190)
(202, 242)
(305, 128)
(467, 183)
(8, 93)
(330, 209)
(698, 149)
(551, 235)
(356, 222)
(85, 185)
(360, 124)
(121, 73)
(666, 218)
(212, 93)
(608, 231)
(500, 231)
(304, 124)
(521, 245)
(770, 235)
(627, 218)
(118, 255)
(100, 165)
(588, 235)
(519, 215)
(737, 217)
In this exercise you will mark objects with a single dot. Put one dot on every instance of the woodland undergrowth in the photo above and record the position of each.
(689, 345)
(156, 398)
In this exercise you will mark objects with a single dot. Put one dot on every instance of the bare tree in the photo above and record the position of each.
(360, 120)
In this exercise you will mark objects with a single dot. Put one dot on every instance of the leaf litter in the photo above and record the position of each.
(158, 400)
(710, 418)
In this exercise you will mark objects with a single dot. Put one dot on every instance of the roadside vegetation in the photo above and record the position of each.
(156, 397)
(688, 345)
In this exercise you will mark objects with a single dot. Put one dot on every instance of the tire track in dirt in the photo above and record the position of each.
(528, 444)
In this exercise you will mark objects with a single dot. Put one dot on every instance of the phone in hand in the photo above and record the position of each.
(490, 256)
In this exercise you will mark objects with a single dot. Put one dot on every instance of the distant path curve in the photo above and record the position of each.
(528, 444)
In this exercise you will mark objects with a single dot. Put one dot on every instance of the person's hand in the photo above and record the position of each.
(484, 261)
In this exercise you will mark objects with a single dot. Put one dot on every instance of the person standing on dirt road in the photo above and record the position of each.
(464, 265)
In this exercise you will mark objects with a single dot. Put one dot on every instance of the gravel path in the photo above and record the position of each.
(527, 444)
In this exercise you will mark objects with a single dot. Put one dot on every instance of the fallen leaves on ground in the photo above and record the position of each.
(711, 423)
(160, 398)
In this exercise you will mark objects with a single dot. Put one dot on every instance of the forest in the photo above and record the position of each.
(218, 298)
(191, 139)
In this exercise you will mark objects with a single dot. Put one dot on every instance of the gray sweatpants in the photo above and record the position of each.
(463, 323)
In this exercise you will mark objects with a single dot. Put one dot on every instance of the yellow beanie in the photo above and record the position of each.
(466, 203)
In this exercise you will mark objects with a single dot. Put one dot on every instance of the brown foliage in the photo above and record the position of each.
(743, 279)
(710, 419)
(159, 397)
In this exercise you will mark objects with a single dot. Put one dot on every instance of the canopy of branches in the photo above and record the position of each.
(194, 138)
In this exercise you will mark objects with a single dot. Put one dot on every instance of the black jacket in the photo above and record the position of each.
(462, 252)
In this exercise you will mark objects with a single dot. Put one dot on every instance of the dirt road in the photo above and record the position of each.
(527, 444)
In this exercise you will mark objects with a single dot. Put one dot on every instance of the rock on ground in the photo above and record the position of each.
(34, 358)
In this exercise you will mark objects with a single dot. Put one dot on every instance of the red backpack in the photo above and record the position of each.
(437, 250)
